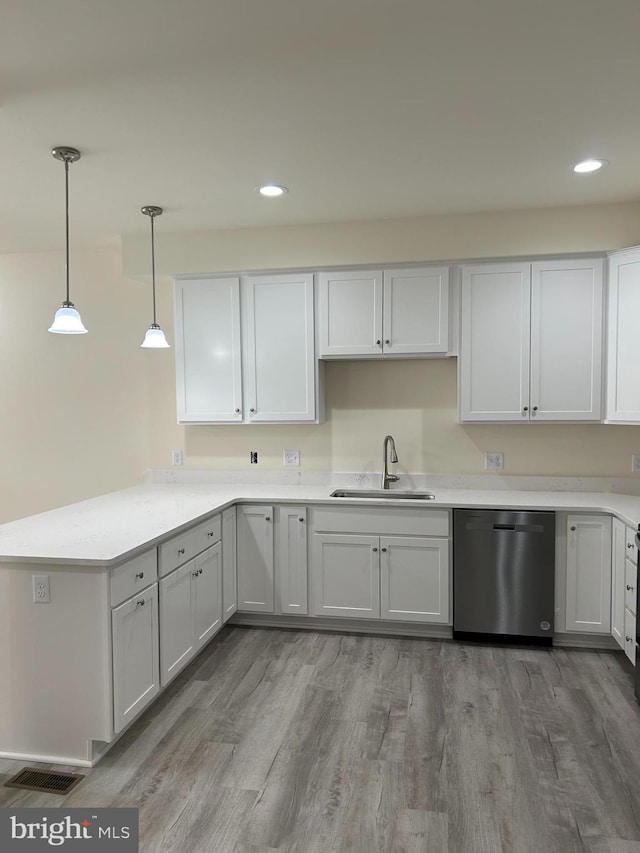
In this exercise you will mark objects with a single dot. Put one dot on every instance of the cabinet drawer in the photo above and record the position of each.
(134, 576)
(630, 550)
(380, 521)
(630, 636)
(630, 580)
(177, 550)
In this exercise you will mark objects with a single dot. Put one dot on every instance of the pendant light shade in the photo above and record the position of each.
(67, 320)
(154, 338)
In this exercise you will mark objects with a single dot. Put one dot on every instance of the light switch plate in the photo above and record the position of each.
(291, 458)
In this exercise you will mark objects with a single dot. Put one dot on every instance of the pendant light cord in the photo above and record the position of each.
(66, 195)
(153, 270)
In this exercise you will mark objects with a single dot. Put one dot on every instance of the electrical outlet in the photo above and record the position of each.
(176, 457)
(253, 457)
(41, 589)
(635, 462)
(494, 461)
(291, 458)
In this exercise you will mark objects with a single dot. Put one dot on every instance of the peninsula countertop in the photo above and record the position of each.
(111, 528)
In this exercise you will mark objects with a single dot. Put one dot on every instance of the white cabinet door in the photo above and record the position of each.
(589, 574)
(136, 670)
(414, 579)
(346, 576)
(280, 349)
(415, 311)
(630, 648)
(207, 595)
(566, 340)
(623, 340)
(350, 313)
(618, 567)
(208, 351)
(177, 644)
(255, 558)
(229, 564)
(494, 343)
(292, 559)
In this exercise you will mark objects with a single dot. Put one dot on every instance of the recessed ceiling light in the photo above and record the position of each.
(590, 165)
(272, 190)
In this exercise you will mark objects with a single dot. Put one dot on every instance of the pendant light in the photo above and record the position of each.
(154, 337)
(67, 320)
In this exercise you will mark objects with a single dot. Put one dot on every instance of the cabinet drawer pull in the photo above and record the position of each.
(140, 603)
(628, 639)
(378, 343)
(573, 527)
(210, 533)
(387, 341)
(525, 408)
(140, 575)
(180, 550)
(384, 550)
(374, 550)
(629, 544)
(252, 410)
(237, 411)
(267, 518)
(535, 408)
(630, 588)
(301, 520)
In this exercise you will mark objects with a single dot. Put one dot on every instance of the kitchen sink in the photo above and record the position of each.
(393, 494)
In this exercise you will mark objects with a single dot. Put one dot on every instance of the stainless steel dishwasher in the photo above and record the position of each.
(503, 575)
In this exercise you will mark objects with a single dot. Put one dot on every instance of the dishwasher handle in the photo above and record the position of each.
(504, 526)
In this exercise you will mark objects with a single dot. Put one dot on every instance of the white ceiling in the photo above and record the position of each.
(363, 108)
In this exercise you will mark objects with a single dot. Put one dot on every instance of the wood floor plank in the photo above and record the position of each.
(303, 742)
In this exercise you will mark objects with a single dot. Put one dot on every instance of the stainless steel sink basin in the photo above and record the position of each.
(393, 494)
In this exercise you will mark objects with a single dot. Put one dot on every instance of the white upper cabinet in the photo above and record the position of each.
(494, 342)
(245, 350)
(208, 352)
(280, 355)
(531, 341)
(623, 340)
(401, 312)
(350, 307)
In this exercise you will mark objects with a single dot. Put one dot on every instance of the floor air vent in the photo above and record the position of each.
(31, 779)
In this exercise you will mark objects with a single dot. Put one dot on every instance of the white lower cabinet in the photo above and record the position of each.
(588, 604)
(618, 567)
(255, 558)
(136, 673)
(229, 564)
(346, 576)
(414, 579)
(190, 610)
(291, 559)
(388, 564)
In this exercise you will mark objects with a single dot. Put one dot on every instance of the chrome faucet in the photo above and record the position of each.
(386, 476)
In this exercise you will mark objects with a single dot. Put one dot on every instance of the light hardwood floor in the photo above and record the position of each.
(315, 742)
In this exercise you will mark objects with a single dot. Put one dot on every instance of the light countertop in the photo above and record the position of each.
(108, 529)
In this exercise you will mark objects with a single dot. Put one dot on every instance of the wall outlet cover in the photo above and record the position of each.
(176, 457)
(291, 458)
(253, 457)
(635, 462)
(494, 461)
(41, 589)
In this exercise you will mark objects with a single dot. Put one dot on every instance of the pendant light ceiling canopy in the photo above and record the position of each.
(154, 338)
(67, 320)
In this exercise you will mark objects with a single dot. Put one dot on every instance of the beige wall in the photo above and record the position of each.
(85, 415)
(414, 400)
(74, 407)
